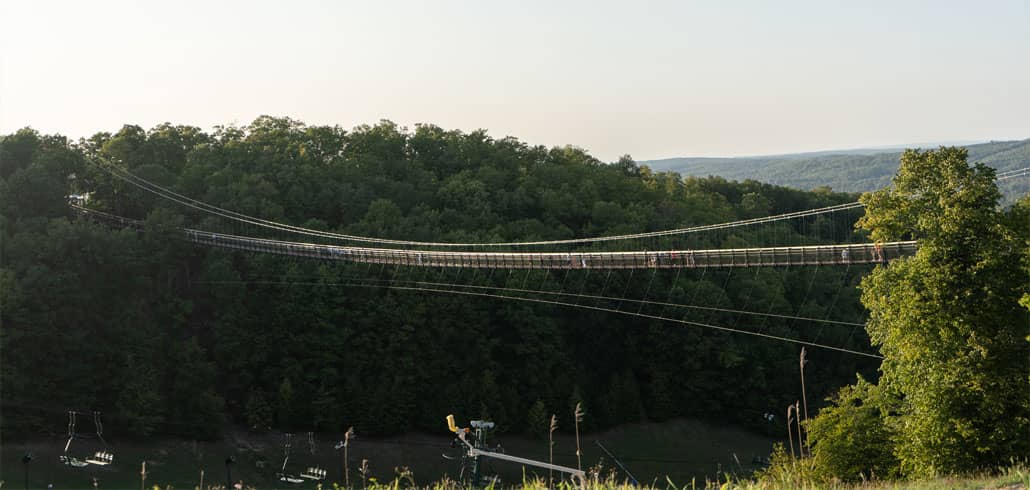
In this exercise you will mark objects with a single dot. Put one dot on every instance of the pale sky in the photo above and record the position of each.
(651, 79)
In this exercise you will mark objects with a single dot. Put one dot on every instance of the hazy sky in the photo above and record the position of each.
(652, 79)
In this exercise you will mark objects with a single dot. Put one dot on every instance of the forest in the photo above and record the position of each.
(173, 339)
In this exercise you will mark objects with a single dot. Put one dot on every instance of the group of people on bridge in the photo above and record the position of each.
(878, 256)
(654, 259)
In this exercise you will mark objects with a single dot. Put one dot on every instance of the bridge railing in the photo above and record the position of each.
(865, 253)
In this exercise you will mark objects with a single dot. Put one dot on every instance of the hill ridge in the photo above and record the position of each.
(843, 170)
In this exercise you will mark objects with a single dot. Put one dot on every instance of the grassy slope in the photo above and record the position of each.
(845, 171)
(683, 449)
(1011, 478)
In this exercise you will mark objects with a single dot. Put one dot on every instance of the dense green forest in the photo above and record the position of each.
(168, 338)
(845, 171)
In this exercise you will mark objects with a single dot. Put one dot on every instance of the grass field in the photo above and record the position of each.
(682, 450)
(1013, 477)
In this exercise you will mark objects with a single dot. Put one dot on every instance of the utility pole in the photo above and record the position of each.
(228, 471)
(25, 460)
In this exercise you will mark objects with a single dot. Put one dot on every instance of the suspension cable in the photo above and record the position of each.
(168, 194)
(623, 312)
(1011, 174)
(153, 188)
(549, 293)
(595, 308)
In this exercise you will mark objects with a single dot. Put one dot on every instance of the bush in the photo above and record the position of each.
(850, 439)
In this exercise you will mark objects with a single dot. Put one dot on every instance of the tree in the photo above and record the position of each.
(1018, 221)
(139, 401)
(537, 423)
(17, 150)
(284, 405)
(197, 406)
(491, 407)
(850, 440)
(38, 187)
(257, 411)
(624, 398)
(947, 320)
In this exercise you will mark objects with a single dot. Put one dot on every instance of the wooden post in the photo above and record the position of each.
(803, 398)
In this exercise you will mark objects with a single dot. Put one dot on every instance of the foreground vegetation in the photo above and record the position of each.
(805, 474)
(1013, 477)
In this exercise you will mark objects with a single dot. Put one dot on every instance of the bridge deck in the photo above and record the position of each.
(865, 253)
(665, 259)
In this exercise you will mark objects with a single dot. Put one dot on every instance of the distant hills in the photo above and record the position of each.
(857, 170)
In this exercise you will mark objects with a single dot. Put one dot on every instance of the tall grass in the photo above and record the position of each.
(781, 477)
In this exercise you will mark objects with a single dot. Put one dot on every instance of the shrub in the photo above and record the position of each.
(850, 439)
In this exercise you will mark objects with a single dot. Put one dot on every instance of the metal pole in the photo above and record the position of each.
(475, 471)
(25, 462)
(623, 468)
(475, 453)
(339, 460)
(228, 472)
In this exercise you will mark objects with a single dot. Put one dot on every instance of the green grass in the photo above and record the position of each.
(1010, 478)
(1013, 477)
(1016, 476)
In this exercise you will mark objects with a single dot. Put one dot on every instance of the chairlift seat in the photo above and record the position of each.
(101, 458)
(314, 473)
(73, 462)
(290, 479)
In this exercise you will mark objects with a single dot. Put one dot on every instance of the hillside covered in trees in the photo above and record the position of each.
(169, 338)
(843, 171)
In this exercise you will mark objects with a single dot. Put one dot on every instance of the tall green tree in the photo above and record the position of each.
(947, 320)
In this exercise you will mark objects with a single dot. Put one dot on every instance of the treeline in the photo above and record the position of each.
(165, 337)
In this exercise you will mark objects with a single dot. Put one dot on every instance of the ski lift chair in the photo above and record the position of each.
(66, 458)
(313, 472)
(102, 457)
(283, 475)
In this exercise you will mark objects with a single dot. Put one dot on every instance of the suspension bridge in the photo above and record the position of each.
(564, 254)
(866, 253)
